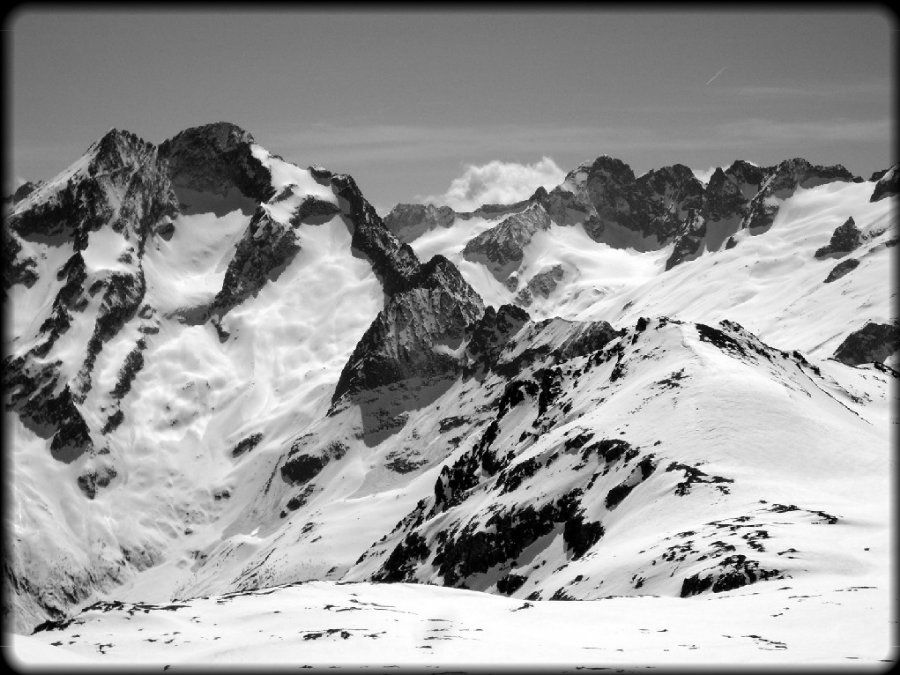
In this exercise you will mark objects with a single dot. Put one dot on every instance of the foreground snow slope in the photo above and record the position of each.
(827, 622)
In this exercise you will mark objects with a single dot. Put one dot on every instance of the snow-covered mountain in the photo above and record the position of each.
(227, 373)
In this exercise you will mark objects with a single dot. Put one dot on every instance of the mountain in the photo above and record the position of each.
(226, 373)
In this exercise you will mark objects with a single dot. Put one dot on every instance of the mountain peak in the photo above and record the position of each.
(118, 148)
(216, 158)
(225, 135)
(602, 165)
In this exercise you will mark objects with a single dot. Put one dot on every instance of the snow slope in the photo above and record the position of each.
(771, 283)
(831, 622)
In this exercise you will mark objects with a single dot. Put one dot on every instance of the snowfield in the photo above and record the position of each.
(829, 622)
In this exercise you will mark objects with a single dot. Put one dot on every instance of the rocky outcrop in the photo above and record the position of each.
(123, 185)
(844, 239)
(783, 180)
(887, 185)
(417, 333)
(841, 269)
(541, 285)
(427, 310)
(729, 191)
(408, 222)
(606, 189)
(393, 262)
(261, 255)
(302, 467)
(313, 211)
(46, 406)
(673, 197)
(17, 267)
(24, 190)
(872, 343)
(502, 248)
(745, 196)
(491, 334)
(621, 210)
(729, 573)
(216, 158)
(690, 244)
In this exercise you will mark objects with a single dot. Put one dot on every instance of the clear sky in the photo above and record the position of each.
(406, 102)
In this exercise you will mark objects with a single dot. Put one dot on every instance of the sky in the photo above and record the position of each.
(455, 106)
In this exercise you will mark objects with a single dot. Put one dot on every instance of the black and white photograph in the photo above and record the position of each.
(451, 339)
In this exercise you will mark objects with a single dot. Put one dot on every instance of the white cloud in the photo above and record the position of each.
(497, 183)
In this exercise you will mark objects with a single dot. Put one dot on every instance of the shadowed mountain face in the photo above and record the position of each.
(226, 372)
(213, 169)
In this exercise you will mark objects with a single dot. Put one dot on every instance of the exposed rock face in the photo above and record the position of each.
(427, 309)
(410, 221)
(416, 333)
(216, 158)
(606, 189)
(783, 181)
(725, 206)
(491, 334)
(394, 263)
(842, 269)
(746, 196)
(94, 479)
(501, 248)
(621, 210)
(732, 572)
(690, 244)
(872, 343)
(121, 185)
(844, 239)
(24, 190)
(302, 467)
(266, 248)
(888, 184)
(313, 211)
(541, 284)
(729, 191)
(674, 197)
(17, 268)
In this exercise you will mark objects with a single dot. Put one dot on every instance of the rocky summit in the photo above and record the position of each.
(227, 376)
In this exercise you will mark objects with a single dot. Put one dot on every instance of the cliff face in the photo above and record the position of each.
(215, 159)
